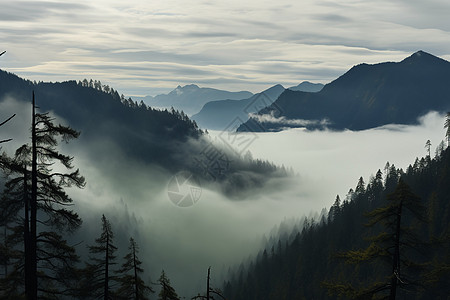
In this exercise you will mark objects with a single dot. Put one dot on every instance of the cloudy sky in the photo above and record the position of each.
(148, 47)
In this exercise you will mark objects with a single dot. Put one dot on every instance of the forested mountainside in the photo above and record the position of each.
(366, 96)
(341, 257)
(98, 110)
(110, 123)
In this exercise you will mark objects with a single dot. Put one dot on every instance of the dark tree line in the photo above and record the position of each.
(402, 252)
(167, 138)
(35, 215)
(102, 280)
(393, 246)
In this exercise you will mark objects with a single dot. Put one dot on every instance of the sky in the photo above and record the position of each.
(149, 47)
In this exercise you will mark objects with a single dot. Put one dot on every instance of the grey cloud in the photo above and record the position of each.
(333, 18)
(218, 43)
(36, 10)
(210, 34)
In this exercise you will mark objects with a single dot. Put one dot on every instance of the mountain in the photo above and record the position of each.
(297, 265)
(117, 129)
(191, 98)
(228, 114)
(140, 132)
(366, 96)
(307, 86)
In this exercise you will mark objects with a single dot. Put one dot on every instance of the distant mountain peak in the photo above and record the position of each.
(307, 86)
(420, 52)
(367, 96)
(190, 98)
(191, 86)
(187, 88)
(422, 56)
(274, 88)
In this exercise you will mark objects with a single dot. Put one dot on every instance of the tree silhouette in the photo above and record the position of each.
(7, 140)
(4, 122)
(210, 292)
(391, 245)
(34, 186)
(131, 284)
(428, 147)
(98, 276)
(12, 255)
(167, 291)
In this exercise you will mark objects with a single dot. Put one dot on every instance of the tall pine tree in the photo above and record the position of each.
(167, 291)
(131, 284)
(98, 276)
(49, 262)
(394, 246)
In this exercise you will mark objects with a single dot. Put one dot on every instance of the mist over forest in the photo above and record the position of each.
(234, 150)
(219, 231)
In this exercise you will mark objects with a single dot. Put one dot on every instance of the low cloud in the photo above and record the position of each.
(283, 121)
(222, 232)
(217, 231)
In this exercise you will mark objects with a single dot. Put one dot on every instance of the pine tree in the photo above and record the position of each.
(428, 147)
(393, 245)
(447, 125)
(360, 187)
(98, 276)
(131, 284)
(167, 291)
(335, 209)
(49, 262)
(14, 200)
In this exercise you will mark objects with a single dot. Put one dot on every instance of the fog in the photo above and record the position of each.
(329, 163)
(216, 231)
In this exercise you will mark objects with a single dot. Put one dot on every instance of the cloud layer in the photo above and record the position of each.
(217, 231)
(143, 47)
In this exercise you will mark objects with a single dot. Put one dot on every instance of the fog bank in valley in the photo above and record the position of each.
(217, 231)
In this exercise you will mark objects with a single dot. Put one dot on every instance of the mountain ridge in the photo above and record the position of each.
(228, 113)
(366, 96)
(163, 142)
(307, 86)
(218, 115)
(191, 98)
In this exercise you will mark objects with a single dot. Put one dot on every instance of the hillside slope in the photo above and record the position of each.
(114, 128)
(297, 269)
(366, 96)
